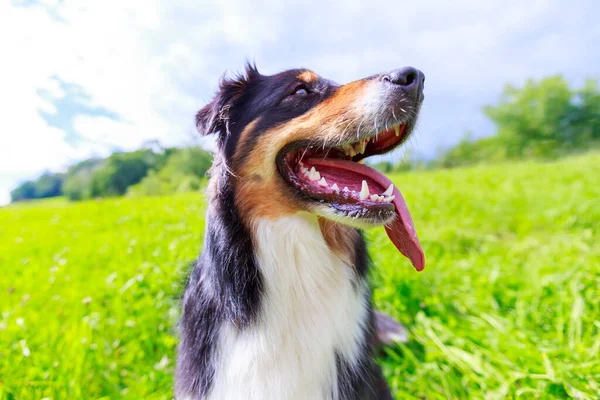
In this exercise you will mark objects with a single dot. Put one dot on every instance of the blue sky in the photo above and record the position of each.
(82, 78)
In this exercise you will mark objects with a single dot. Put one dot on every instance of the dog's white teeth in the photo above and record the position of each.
(348, 150)
(397, 129)
(346, 189)
(357, 148)
(374, 197)
(389, 199)
(389, 191)
(335, 187)
(364, 191)
(363, 146)
(323, 182)
(313, 174)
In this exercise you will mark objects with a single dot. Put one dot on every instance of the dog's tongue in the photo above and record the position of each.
(401, 230)
(403, 234)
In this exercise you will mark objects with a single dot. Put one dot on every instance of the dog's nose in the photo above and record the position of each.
(410, 79)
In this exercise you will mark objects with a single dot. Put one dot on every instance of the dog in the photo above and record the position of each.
(278, 305)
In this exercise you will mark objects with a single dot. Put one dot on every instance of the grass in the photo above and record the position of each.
(507, 307)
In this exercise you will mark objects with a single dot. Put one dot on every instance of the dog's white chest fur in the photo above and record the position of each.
(311, 310)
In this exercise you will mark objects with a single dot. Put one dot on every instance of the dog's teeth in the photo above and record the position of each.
(364, 191)
(389, 190)
(374, 197)
(314, 175)
(346, 189)
(360, 147)
(335, 187)
(397, 129)
(389, 199)
(323, 182)
(349, 150)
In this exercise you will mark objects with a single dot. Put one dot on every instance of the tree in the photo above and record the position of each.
(121, 170)
(47, 185)
(78, 181)
(546, 118)
(25, 191)
(184, 171)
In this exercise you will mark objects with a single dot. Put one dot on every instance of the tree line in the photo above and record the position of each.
(543, 119)
(136, 173)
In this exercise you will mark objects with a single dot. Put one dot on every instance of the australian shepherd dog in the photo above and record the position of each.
(278, 305)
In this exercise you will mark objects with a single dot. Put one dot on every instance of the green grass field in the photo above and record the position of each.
(507, 307)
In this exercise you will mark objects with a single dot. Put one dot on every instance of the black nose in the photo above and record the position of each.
(409, 78)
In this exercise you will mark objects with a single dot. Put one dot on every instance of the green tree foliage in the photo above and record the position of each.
(544, 119)
(78, 183)
(184, 171)
(537, 119)
(121, 170)
(47, 185)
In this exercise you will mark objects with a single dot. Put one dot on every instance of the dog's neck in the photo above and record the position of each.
(313, 313)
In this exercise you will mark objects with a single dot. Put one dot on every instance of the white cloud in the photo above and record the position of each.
(156, 62)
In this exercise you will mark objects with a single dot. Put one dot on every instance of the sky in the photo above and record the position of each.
(83, 78)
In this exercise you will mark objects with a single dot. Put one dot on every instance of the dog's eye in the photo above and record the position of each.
(301, 90)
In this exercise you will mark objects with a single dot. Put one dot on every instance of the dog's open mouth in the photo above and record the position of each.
(332, 174)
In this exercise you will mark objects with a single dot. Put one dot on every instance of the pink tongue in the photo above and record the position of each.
(401, 230)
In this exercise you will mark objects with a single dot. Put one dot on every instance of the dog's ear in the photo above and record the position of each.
(207, 119)
(215, 116)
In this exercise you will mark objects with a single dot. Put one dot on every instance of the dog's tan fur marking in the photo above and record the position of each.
(340, 238)
(270, 197)
(308, 77)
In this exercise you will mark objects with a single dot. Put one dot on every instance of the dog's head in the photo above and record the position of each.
(293, 142)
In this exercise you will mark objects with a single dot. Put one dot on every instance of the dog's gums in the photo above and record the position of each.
(332, 174)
